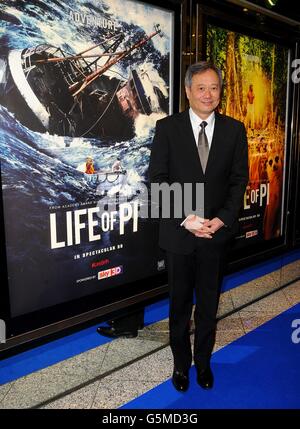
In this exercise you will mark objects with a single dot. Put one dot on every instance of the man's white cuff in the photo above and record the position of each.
(182, 223)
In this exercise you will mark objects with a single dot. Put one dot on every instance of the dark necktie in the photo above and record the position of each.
(203, 148)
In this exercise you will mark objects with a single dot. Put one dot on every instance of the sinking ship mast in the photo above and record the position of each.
(78, 86)
(48, 88)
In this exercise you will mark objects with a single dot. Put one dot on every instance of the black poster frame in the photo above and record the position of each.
(97, 306)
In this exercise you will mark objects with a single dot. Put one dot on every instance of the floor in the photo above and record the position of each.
(110, 374)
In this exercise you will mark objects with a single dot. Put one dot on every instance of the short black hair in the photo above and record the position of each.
(201, 67)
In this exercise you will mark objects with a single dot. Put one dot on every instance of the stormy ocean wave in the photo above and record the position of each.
(52, 165)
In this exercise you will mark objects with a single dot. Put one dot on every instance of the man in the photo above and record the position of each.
(89, 165)
(250, 108)
(116, 167)
(199, 145)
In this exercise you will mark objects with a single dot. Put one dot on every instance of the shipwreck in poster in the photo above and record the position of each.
(51, 90)
(82, 85)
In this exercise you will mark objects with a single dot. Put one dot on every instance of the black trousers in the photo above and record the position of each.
(202, 271)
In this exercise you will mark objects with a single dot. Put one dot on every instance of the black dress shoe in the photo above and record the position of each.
(205, 378)
(180, 380)
(111, 332)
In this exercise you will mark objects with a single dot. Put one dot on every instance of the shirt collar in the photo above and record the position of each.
(196, 120)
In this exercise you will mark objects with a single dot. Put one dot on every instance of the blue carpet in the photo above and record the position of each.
(260, 370)
(246, 275)
(58, 350)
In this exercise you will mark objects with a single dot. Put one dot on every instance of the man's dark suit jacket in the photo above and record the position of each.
(174, 159)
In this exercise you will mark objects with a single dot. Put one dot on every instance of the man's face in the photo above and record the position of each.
(204, 93)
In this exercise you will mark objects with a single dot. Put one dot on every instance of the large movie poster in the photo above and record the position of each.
(255, 92)
(81, 87)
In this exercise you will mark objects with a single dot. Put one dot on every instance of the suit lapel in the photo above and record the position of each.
(216, 144)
